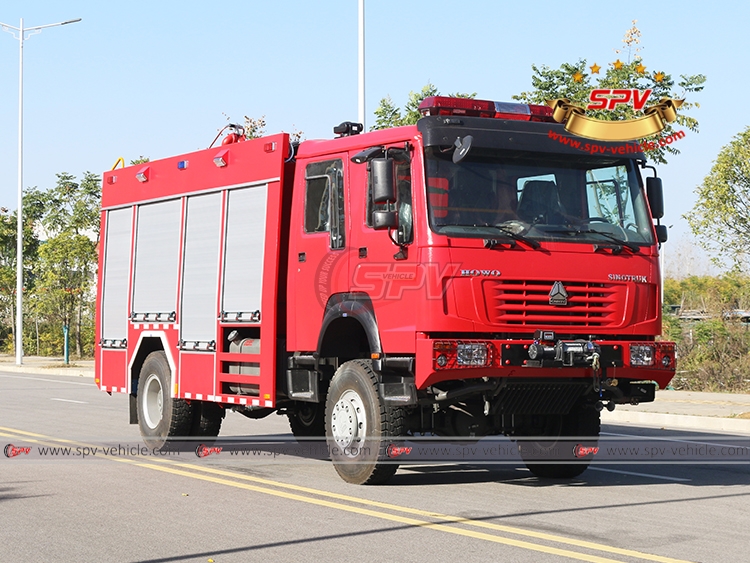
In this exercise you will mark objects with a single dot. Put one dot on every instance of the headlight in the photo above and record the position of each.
(473, 354)
(642, 355)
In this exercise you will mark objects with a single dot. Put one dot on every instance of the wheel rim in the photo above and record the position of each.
(349, 422)
(153, 401)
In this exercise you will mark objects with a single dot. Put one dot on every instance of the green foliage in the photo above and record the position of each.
(721, 216)
(388, 115)
(59, 273)
(255, 128)
(66, 268)
(715, 295)
(714, 353)
(34, 207)
(140, 160)
(73, 206)
(574, 82)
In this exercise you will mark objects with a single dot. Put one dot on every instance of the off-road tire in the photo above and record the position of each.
(207, 418)
(308, 420)
(160, 417)
(580, 427)
(354, 404)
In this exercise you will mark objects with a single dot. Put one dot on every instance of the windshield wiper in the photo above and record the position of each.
(617, 240)
(515, 236)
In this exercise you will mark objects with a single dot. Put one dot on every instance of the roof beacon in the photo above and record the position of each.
(442, 105)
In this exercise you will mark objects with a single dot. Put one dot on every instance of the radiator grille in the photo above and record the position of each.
(521, 302)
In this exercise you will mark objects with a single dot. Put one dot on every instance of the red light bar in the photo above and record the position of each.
(442, 105)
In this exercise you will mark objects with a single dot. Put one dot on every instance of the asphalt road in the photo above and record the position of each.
(294, 508)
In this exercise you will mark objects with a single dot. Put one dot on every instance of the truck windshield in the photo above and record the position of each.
(539, 196)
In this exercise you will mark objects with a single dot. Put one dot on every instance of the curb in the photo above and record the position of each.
(678, 421)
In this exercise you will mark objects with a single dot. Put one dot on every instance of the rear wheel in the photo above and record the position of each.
(207, 419)
(571, 448)
(160, 417)
(359, 426)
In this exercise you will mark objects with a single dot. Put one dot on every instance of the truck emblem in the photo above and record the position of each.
(558, 295)
(491, 273)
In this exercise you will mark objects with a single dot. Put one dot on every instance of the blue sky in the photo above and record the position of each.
(159, 78)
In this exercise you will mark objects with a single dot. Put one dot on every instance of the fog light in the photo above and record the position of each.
(442, 360)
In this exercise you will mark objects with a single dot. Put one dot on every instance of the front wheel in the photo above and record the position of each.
(160, 417)
(571, 448)
(359, 426)
(307, 420)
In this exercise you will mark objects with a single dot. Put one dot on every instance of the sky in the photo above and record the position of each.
(161, 77)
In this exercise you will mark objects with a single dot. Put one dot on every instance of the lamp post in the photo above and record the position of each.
(21, 36)
(361, 65)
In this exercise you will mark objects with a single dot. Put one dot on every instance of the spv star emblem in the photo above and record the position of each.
(558, 295)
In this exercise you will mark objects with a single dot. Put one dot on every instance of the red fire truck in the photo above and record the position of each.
(470, 275)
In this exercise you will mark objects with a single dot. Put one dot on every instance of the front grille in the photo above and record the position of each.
(526, 303)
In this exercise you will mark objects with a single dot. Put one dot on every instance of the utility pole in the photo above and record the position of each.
(361, 113)
(19, 242)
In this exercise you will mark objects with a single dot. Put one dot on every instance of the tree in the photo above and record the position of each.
(573, 82)
(388, 115)
(67, 264)
(73, 206)
(255, 128)
(33, 209)
(721, 215)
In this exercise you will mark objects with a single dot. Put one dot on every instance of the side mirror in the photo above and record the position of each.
(383, 180)
(655, 196)
(463, 146)
(384, 220)
(662, 233)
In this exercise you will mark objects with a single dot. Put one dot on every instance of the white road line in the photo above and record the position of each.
(48, 380)
(668, 439)
(68, 401)
(649, 475)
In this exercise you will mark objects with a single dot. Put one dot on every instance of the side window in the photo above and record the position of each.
(403, 203)
(324, 200)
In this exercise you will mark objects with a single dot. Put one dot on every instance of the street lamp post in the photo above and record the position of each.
(21, 36)
(361, 65)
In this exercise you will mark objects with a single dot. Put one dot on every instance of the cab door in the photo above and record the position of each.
(318, 257)
(384, 262)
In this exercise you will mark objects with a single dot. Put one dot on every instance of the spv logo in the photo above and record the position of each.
(607, 98)
(13, 451)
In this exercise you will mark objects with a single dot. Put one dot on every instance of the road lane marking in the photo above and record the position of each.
(430, 514)
(393, 517)
(176, 468)
(649, 475)
(48, 380)
(678, 441)
(68, 401)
